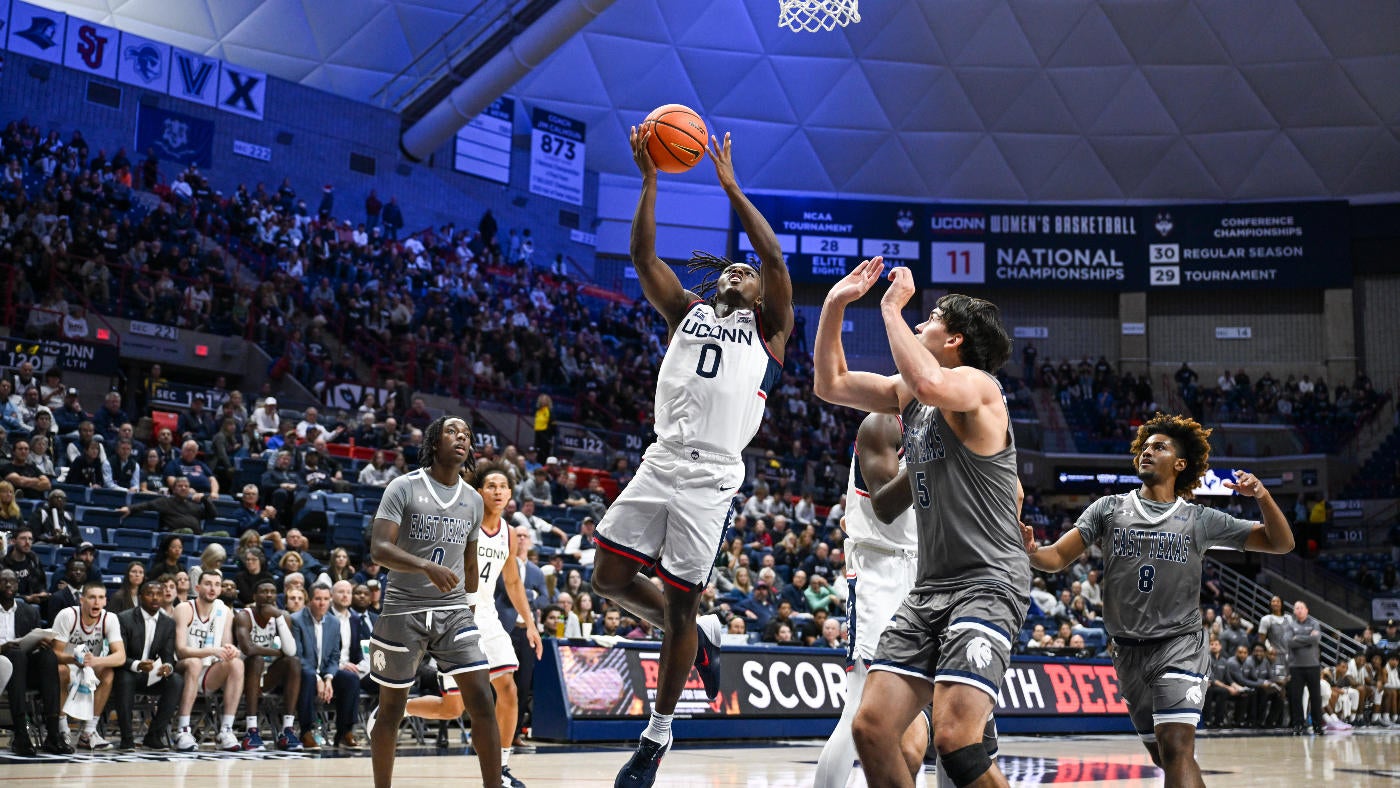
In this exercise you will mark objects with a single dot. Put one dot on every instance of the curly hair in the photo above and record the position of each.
(432, 439)
(985, 343)
(486, 468)
(1192, 444)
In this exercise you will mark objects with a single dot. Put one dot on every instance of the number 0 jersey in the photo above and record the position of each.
(715, 380)
(435, 523)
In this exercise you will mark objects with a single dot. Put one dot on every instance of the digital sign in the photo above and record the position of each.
(1033, 246)
(823, 239)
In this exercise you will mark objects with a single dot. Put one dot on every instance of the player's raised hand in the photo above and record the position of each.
(442, 578)
(1028, 536)
(639, 137)
(858, 282)
(723, 159)
(901, 287)
(1246, 483)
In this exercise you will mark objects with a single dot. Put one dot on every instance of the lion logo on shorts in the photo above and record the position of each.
(379, 660)
(979, 652)
(1194, 695)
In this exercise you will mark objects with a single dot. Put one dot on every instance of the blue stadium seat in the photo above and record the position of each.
(347, 529)
(114, 499)
(77, 493)
(137, 539)
(117, 563)
(147, 520)
(340, 502)
(103, 518)
(226, 507)
(92, 533)
(46, 553)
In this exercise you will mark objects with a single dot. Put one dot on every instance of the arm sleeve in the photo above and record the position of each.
(284, 635)
(1221, 530)
(1094, 521)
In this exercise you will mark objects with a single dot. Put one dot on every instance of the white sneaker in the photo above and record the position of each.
(228, 742)
(184, 741)
(92, 740)
(369, 723)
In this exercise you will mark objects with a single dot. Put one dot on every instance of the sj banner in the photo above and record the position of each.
(175, 136)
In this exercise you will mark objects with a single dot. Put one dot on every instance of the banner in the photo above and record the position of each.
(91, 47)
(61, 354)
(194, 77)
(241, 91)
(1293, 245)
(175, 136)
(1034, 246)
(37, 32)
(482, 147)
(144, 62)
(179, 395)
(556, 156)
(823, 239)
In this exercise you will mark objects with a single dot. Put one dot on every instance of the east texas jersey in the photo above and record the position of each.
(861, 523)
(1152, 560)
(714, 381)
(492, 552)
(435, 523)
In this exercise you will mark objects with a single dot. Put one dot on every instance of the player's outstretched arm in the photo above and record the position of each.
(384, 549)
(1053, 557)
(832, 380)
(773, 273)
(659, 283)
(877, 451)
(959, 389)
(1273, 535)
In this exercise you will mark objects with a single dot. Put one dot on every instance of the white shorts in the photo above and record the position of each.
(879, 581)
(673, 514)
(495, 644)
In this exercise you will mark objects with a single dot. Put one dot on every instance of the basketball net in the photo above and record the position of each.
(809, 16)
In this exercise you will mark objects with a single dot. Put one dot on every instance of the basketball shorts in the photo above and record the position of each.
(959, 637)
(673, 514)
(495, 644)
(878, 580)
(400, 641)
(1163, 680)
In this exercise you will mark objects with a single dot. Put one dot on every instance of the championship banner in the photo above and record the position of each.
(1034, 246)
(61, 354)
(175, 136)
(823, 239)
(91, 47)
(1281, 245)
(144, 62)
(36, 31)
(482, 147)
(556, 156)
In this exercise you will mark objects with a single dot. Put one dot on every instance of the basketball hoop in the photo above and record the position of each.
(813, 15)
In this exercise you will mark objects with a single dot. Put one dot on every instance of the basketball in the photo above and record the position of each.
(678, 137)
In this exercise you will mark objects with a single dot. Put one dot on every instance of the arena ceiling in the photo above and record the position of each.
(1004, 100)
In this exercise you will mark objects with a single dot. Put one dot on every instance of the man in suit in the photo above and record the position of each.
(150, 639)
(38, 669)
(538, 596)
(323, 680)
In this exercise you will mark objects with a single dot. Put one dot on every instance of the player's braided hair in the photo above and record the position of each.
(432, 439)
(1192, 442)
(712, 266)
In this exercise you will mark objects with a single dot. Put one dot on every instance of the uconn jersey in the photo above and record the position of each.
(492, 552)
(97, 639)
(861, 523)
(206, 632)
(435, 523)
(714, 381)
(1152, 560)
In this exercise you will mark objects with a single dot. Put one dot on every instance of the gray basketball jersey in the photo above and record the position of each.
(965, 506)
(435, 523)
(1152, 560)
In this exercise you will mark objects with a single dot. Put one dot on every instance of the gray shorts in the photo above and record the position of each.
(960, 637)
(1163, 680)
(401, 639)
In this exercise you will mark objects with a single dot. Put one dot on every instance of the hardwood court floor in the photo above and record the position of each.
(1357, 760)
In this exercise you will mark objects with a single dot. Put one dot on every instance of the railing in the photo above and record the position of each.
(1331, 587)
(1252, 602)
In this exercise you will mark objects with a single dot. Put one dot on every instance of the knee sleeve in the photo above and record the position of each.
(966, 764)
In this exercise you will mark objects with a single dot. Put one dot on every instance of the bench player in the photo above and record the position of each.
(264, 634)
(209, 660)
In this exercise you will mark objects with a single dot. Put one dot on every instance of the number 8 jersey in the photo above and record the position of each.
(715, 380)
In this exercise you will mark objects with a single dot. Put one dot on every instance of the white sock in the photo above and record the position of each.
(659, 729)
(288, 721)
(505, 757)
(184, 722)
(251, 723)
(227, 722)
(90, 726)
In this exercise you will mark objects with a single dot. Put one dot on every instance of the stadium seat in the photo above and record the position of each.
(102, 518)
(347, 530)
(340, 502)
(114, 499)
(135, 539)
(117, 563)
(165, 420)
(226, 507)
(77, 493)
(92, 533)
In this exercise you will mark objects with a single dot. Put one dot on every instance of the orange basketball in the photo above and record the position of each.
(678, 137)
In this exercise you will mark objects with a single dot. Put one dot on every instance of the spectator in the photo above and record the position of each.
(196, 472)
(819, 594)
(210, 560)
(11, 516)
(150, 639)
(251, 515)
(183, 511)
(128, 595)
(832, 636)
(33, 586)
(252, 572)
(53, 523)
(125, 469)
(378, 473)
(90, 469)
(36, 670)
(26, 478)
(265, 419)
(758, 609)
(582, 546)
(795, 593)
(110, 417)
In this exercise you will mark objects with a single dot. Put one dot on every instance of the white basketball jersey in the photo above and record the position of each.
(68, 623)
(861, 523)
(206, 632)
(492, 552)
(263, 635)
(714, 381)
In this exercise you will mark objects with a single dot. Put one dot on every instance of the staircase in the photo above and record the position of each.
(1252, 602)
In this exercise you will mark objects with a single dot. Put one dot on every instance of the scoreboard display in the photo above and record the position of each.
(822, 239)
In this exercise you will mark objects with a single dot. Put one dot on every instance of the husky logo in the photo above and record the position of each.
(1194, 695)
(380, 661)
(92, 48)
(176, 135)
(1164, 224)
(979, 652)
(145, 61)
(904, 221)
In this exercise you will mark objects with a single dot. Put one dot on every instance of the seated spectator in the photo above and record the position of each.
(110, 417)
(252, 571)
(125, 468)
(183, 511)
(42, 455)
(251, 515)
(211, 560)
(11, 516)
(53, 522)
(568, 493)
(197, 423)
(296, 542)
(832, 636)
(69, 417)
(152, 473)
(165, 446)
(818, 564)
(169, 557)
(29, 571)
(595, 495)
(265, 419)
(90, 469)
(379, 472)
(28, 481)
(535, 489)
(582, 546)
(795, 593)
(820, 596)
(195, 471)
(126, 597)
(572, 627)
(539, 527)
(312, 421)
(758, 609)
